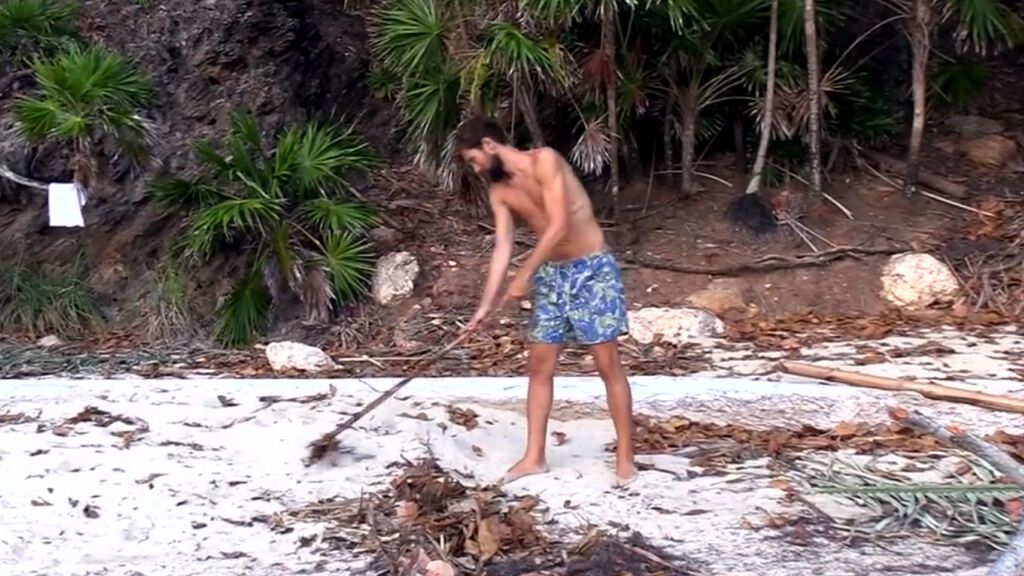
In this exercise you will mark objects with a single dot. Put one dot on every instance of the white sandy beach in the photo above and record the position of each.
(178, 502)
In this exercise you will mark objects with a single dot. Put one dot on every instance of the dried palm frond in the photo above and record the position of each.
(966, 506)
(317, 295)
(593, 149)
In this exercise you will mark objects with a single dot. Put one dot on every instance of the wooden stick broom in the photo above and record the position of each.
(329, 441)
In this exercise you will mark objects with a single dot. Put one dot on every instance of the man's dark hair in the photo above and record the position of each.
(472, 132)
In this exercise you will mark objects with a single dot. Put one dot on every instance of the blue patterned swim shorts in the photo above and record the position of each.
(579, 301)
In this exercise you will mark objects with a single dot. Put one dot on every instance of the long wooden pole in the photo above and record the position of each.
(928, 390)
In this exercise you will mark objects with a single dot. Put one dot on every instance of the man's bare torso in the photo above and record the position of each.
(523, 194)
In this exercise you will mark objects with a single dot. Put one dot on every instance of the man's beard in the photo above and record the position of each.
(496, 171)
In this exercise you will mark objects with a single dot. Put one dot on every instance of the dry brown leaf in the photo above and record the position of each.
(845, 429)
(464, 417)
(560, 438)
(406, 511)
(488, 538)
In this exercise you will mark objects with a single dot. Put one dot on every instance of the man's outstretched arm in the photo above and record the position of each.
(504, 242)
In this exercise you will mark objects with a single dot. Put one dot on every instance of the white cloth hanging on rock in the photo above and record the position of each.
(65, 201)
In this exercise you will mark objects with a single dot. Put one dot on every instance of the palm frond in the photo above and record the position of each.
(233, 217)
(985, 23)
(33, 27)
(348, 262)
(430, 105)
(84, 91)
(184, 194)
(555, 13)
(592, 151)
(318, 158)
(409, 36)
(245, 312)
(512, 52)
(332, 217)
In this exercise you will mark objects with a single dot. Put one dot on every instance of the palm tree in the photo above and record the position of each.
(87, 96)
(980, 24)
(702, 37)
(285, 211)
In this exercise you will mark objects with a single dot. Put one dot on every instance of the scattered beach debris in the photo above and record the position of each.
(428, 522)
(103, 419)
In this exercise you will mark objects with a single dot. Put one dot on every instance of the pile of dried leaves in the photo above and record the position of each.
(429, 523)
(714, 446)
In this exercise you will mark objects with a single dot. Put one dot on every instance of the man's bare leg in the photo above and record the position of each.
(541, 368)
(620, 404)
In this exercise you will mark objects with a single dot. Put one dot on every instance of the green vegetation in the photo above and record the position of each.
(86, 94)
(30, 28)
(285, 211)
(684, 67)
(40, 302)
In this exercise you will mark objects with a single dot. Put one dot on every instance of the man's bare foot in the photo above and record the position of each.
(625, 474)
(524, 468)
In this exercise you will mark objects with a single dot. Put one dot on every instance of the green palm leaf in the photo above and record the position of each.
(431, 104)
(986, 22)
(84, 91)
(410, 36)
(557, 13)
(245, 312)
(318, 157)
(184, 194)
(349, 264)
(511, 51)
(332, 217)
(32, 26)
(234, 217)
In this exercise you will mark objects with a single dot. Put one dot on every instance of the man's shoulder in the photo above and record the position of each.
(547, 156)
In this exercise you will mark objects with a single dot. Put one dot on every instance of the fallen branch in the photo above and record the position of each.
(964, 440)
(1011, 561)
(927, 178)
(928, 390)
(895, 183)
(308, 399)
(770, 262)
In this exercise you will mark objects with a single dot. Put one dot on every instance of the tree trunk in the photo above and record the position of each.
(814, 90)
(769, 104)
(691, 102)
(525, 98)
(740, 161)
(920, 42)
(610, 90)
(668, 142)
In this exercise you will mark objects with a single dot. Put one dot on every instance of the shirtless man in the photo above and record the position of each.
(576, 282)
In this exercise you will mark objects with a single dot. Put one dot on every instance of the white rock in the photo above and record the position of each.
(297, 356)
(914, 281)
(394, 277)
(49, 341)
(675, 325)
